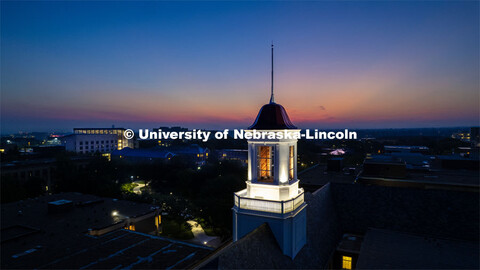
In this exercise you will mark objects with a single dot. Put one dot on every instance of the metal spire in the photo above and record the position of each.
(272, 100)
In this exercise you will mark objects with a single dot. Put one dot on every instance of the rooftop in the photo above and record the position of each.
(35, 237)
(382, 249)
(434, 178)
(317, 176)
(450, 218)
(41, 162)
(185, 149)
(272, 116)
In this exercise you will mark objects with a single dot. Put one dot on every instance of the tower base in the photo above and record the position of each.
(289, 229)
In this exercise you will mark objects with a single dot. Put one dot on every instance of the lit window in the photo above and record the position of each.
(131, 227)
(265, 163)
(346, 262)
(291, 164)
(158, 221)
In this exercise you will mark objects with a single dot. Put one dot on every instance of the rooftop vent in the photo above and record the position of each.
(59, 206)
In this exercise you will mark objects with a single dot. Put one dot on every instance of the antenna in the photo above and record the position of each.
(272, 100)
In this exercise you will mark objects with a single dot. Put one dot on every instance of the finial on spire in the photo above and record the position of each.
(272, 100)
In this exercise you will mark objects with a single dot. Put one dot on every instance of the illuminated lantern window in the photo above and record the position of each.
(265, 163)
(346, 262)
(291, 164)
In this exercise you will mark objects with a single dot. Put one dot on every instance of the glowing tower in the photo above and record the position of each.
(272, 195)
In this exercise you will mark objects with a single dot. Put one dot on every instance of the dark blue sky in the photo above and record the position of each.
(206, 64)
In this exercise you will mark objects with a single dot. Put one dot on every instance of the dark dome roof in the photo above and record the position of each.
(272, 116)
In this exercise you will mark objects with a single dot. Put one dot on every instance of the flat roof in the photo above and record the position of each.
(467, 178)
(40, 161)
(318, 176)
(34, 238)
(350, 243)
(406, 147)
(384, 249)
(117, 249)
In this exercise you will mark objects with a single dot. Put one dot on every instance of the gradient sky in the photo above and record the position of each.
(207, 64)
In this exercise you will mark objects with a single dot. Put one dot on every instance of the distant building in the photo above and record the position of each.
(449, 172)
(48, 150)
(141, 155)
(53, 139)
(168, 142)
(193, 151)
(459, 162)
(319, 175)
(77, 231)
(174, 129)
(337, 152)
(406, 149)
(43, 168)
(335, 164)
(414, 157)
(90, 143)
(385, 166)
(234, 154)
(463, 136)
(120, 139)
(475, 136)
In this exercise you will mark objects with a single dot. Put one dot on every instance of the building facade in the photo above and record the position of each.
(121, 141)
(240, 155)
(90, 143)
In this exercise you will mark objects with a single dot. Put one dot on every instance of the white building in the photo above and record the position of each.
(272, 194)
(90, 143)
(122, 142)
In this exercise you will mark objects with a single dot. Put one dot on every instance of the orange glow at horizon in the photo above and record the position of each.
(376, 95)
